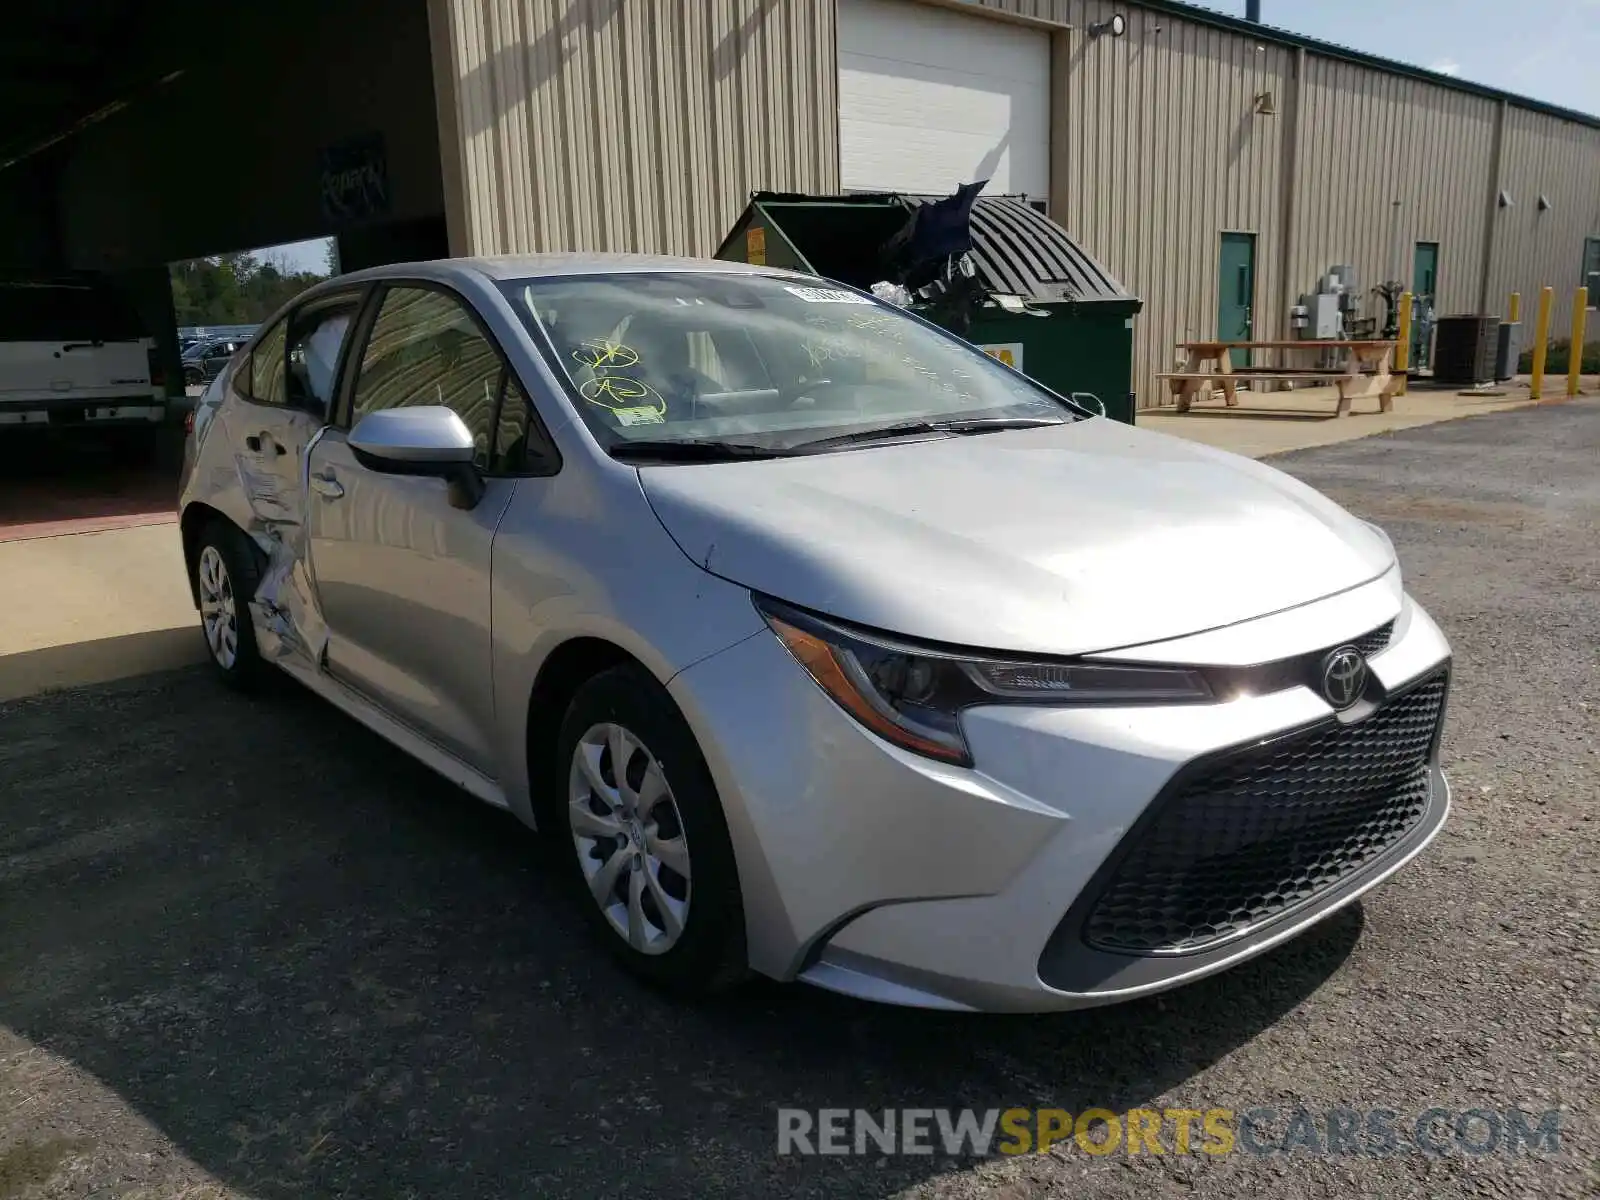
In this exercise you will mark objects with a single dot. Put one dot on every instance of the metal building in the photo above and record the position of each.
(1218, 167)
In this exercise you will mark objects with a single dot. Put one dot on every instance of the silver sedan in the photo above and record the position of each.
(831, 648)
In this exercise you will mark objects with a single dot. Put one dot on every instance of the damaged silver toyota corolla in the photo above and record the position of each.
(830, 648)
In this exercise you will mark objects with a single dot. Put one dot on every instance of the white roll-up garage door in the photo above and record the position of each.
(930, 98)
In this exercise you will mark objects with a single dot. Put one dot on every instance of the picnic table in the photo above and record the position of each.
(1364, 370)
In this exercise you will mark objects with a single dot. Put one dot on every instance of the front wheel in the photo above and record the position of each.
(652, 863)
(225, 579)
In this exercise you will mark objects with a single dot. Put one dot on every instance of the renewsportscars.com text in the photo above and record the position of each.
(1259, 1131)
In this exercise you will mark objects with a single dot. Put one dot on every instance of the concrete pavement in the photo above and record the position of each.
(91, 607)
(1278, 422)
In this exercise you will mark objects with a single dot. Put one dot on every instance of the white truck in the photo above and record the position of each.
(73, 354)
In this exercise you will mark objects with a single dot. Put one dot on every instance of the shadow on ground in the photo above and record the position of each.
(320, 970)
(1245, 410)
(65, 479)
(29, 672)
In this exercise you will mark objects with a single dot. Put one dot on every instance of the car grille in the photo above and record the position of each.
(1370, 643)
(1269, 828)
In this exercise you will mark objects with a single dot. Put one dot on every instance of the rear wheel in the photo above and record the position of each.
(651, 860)
(226, 578)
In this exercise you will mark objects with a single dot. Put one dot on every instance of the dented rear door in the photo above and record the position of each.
(270, 438)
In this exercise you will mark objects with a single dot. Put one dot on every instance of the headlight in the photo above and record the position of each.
(913, 696)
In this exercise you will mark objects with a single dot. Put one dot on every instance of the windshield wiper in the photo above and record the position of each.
(691, 450)
(910, 428)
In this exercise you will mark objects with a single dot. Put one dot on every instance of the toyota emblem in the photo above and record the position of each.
(1344, 676)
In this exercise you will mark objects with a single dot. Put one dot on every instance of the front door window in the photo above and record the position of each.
(425, 349)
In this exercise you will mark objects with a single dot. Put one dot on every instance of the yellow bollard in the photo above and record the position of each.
(1541, 341)
(1515, 314)
(1580, 309)
(1402, 348)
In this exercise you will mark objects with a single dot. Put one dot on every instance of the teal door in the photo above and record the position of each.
(1424, 289)
(1236, 292)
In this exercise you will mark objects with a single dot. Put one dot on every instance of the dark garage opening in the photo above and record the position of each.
(137, 133)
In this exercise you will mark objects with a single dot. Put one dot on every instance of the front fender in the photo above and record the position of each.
(550, 586)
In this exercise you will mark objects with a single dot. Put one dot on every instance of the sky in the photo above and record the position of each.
(298, 256)
(1546, 49)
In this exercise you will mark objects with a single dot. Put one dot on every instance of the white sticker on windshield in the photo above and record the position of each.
(816, 295)
(639, 416)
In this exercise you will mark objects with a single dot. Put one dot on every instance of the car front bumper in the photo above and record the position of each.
(875, 872)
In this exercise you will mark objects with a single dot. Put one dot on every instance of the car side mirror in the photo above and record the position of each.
(429, 440)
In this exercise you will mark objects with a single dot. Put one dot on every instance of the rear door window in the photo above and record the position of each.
(317, 333)
(267, 384)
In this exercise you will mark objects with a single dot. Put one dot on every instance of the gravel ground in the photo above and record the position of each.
(250, 950)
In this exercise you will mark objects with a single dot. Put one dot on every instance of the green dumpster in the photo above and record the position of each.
(1045, 307)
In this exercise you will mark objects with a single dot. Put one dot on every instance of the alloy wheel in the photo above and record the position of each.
(629, 838)
(218, 613)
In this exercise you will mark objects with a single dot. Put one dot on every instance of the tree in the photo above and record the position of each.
(233, 289)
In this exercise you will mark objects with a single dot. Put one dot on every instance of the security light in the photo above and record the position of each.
(1116, 26)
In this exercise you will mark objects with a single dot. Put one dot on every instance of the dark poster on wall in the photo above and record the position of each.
(355, 180)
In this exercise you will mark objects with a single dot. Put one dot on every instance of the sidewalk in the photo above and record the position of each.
(91, 607)
(1277, 422)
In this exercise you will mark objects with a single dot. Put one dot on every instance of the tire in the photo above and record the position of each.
(227, 575)
(194, 379)
(681, 826)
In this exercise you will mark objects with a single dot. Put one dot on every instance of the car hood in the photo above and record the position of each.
(1062, 540)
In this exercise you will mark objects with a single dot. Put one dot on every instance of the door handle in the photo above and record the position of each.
(255, 442)
(327, 485)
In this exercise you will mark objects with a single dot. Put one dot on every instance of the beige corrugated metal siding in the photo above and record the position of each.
(1156, 150)
(1544, 155)
(1369, 139)
(617, 125)
(643, 124)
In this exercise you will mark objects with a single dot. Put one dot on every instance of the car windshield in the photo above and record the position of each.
(760, 361)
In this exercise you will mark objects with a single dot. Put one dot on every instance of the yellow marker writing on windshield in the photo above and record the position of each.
(617, 392)
(603, 352)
